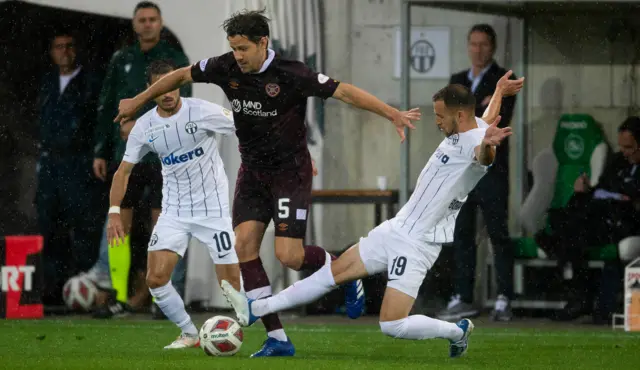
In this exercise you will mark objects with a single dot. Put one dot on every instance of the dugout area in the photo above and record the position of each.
(26, 29)
(598, 36)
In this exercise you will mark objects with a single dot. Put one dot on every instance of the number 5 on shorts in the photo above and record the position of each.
(223, 242)
(398, 266)
(283, 208)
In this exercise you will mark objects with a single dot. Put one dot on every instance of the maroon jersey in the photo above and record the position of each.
(269, 107)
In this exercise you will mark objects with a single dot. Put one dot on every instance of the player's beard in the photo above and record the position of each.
(454, 128)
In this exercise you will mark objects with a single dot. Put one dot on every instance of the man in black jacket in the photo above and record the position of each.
(491, 194)
(68, 194)
(595, 216)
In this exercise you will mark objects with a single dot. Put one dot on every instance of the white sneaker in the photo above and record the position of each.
(502, 309)
(100, 279)
(238, 301)
(184, 341)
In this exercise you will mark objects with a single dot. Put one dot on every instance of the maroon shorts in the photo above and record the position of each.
(281, 195)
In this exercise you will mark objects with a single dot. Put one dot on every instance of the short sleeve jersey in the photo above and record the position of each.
(269, 107)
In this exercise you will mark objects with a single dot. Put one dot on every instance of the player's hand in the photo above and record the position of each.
(100, 168)
(581, 184)
(127, 109)
(314, 168)
(494, 134)
(115, 231)
(403, 119)
(509, 87)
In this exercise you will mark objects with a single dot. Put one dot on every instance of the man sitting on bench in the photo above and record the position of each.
(596, 216)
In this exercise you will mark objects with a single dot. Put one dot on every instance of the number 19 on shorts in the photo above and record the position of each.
(398, 266)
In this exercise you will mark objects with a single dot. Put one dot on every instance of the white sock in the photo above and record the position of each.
(301, 292)
(171, 304)
(278, 335)
(421, 327)
(263, 292)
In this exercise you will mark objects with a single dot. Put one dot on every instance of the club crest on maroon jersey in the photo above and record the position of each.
(272, 89)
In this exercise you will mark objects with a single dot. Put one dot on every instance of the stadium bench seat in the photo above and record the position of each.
(579, 146)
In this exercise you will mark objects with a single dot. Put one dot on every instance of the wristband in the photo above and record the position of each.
(114, 209)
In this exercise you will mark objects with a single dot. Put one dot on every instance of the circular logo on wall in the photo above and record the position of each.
(423, 56)
(235, 105)
(191, 128)
(573, 146)
(272, 89)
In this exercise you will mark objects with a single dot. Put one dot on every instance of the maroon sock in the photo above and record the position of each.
(314, 258)
(255, 277)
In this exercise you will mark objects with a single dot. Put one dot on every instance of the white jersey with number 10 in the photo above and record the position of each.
(195, 183)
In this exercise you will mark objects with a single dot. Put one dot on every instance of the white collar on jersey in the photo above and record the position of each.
(270, 55)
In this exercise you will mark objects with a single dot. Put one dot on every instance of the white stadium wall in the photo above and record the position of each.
(570, 71)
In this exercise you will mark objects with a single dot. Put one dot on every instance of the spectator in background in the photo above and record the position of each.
(490, 195)
(126, 76)
(68, 197)
(13, 220)
(595, 216)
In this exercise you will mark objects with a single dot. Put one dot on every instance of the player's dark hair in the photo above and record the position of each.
(487, 30)
(159, 67)
(252, 24)
(631, 124)
(455, 96)
(146, 5)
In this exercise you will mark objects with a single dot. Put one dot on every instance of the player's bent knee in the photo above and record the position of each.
(246, 247)
(290, 260)
(290, 253)
(394, 329)
(155, 280)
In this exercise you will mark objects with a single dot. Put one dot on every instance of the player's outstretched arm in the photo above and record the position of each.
(493, 136)
(169, 82)
(504, 88)
(115, 231)
(493, 109)
(359, 98)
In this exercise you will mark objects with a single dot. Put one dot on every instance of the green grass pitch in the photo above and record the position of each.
(73, 343)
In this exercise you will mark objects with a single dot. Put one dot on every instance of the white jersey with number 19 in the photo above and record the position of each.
(444, 183)
(195, 183)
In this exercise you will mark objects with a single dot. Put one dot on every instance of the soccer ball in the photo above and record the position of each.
(221, 336)
(79, 293)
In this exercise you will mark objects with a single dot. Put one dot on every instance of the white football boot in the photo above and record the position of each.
(184, 341)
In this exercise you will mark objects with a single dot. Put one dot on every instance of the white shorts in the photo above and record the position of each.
(174, 233)
(405, 260)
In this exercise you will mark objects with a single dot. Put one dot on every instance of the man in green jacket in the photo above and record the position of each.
(126, 76)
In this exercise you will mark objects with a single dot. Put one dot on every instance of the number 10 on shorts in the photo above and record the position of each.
(223, 243)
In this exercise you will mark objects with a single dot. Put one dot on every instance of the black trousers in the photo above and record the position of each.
(491, 195)
(70, 204)
(586, 222)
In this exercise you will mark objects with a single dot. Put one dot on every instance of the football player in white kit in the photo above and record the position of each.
(408, 245)
(194, 195)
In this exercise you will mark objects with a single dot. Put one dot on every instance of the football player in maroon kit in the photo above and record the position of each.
(268, 96)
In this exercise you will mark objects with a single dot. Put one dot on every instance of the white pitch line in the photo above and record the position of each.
(347, 330)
